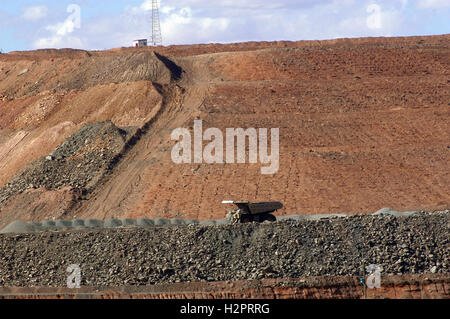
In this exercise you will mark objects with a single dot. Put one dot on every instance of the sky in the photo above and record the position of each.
(105, 24)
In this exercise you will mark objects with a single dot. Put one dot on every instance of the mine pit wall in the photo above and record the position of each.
(72, 90)
(337, 287)
(59, 206)
(355, 143)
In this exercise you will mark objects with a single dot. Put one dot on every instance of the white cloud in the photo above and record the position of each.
(167, 10)
(58, 42)
(244, 4)
(182, 16)
(34, 13)
(206, 21)
(62, 28)
(433, 4)
(384, 19)
(61, 31)
(202, 21)
(146, 5)
(374, 21)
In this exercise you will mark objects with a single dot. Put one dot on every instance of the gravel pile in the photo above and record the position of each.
(80, 161)
(290, 248)
(19, 226)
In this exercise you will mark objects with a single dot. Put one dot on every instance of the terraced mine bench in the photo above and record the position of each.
(19, 226)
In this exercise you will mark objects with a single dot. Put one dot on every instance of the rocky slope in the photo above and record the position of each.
(286, 249)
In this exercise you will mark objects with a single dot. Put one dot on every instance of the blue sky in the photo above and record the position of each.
(104, 24)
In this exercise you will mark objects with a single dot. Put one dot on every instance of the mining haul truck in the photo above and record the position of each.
(248, 212)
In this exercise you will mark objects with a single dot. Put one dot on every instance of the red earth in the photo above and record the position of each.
(364, 124)
(338, 287)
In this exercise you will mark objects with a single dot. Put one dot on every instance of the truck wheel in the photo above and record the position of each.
(246, 218)
(268, 218)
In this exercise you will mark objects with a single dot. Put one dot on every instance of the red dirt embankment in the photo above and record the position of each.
(394, 287)
(363, 124)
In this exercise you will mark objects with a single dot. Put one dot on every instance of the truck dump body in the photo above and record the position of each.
(248, 212)
(264, 207)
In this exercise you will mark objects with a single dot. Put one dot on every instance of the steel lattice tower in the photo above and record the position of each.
(156, 26)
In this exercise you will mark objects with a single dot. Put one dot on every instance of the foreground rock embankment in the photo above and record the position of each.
(286, 249)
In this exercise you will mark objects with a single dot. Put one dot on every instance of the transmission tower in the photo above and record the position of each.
(156, 26)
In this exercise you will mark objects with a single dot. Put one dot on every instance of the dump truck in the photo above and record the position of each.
(247, 212)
